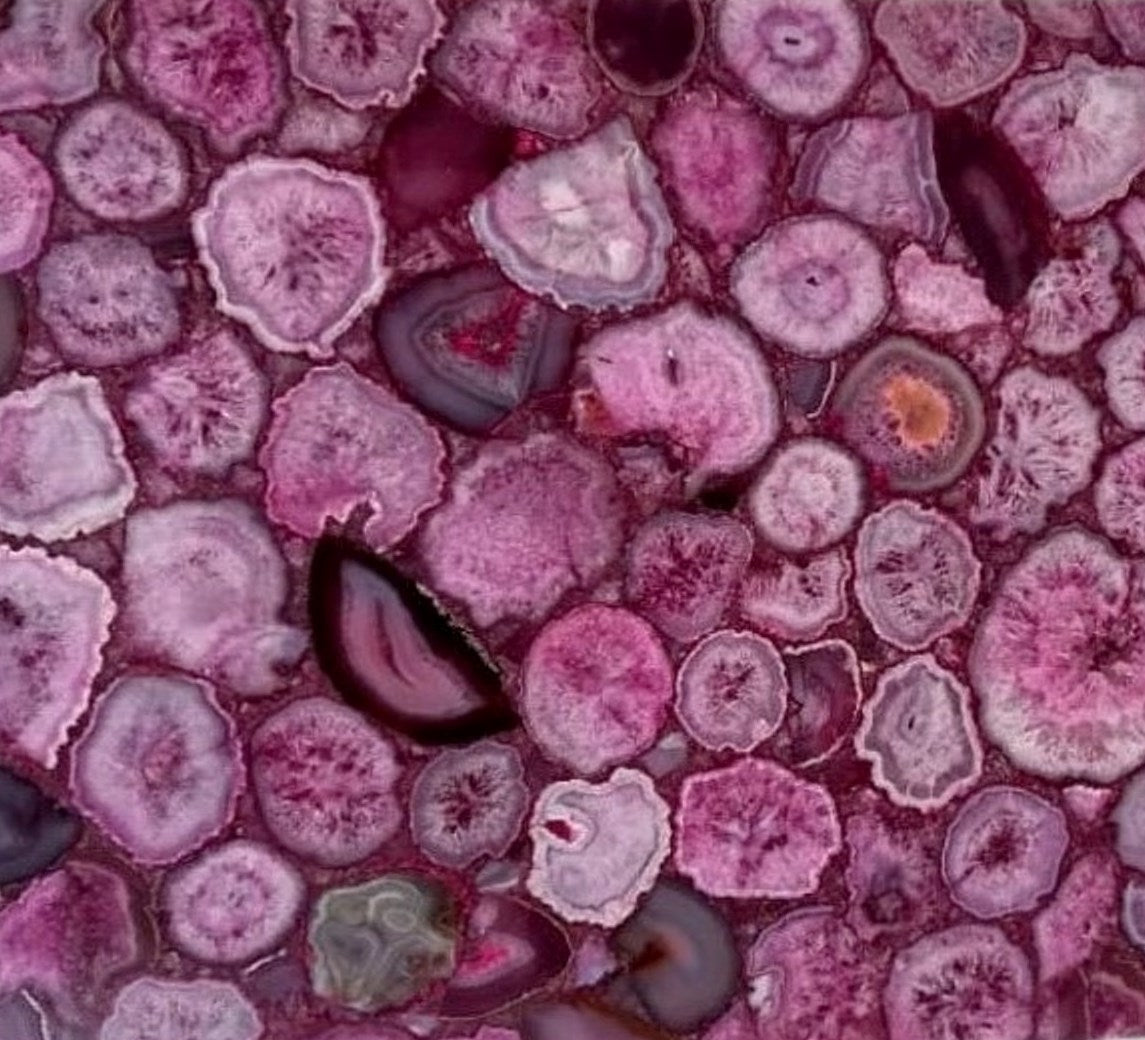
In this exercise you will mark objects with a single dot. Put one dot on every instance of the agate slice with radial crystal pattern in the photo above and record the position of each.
(572, 519)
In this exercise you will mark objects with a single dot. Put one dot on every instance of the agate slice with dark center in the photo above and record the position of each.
(395, 655)
(469, 347)
(34, 831)
(646, 46)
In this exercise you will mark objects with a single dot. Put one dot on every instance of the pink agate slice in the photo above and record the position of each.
(731, 690)
(362, 52)
(1119, 496)
(595, 687)
(1081, 918)
(201, 409)
(1057, 663)
(50, 54)
(524, 62)
(338, 441)
(754, 830)
(597, 848)
(212, 63)
(1122, 359)
(919, 735)
(293, 249)
(28, 193)
(809, 495)
(916, 574)
(796, 600)
(233, 902)
(965, 981)
(683, 570)
(120, 163)
(55, 619)
(1074, 298)
(151, 1008)
(816, 284)
(879, 171)
(823, 697)
(63, 459)
(951, 51)
(66, 936)
(203, 587)
(325, 781)
(937, 298)
(1079, 129)
(1003, 851)
(810, 978)
(584, 225)
(159, 766)
(719, 160)
(800, 60)
(700, 380)
(525, 523)
(1046, 439)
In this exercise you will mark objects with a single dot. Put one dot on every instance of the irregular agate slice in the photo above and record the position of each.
(393, 653)
(951, 52)
(362, 52)
(597, 848)
(583, 225)
(680, 957)
(1003, 851)
(754, 830)
(555, 512)
(66, 936)
(201, 409)
(523, 62)
(995, 202)
(696, 379)
(718, 157)
(55, 619)
(27, 187)
(338, 441)
(158, 766)
(153, 1008)
(879, 171)
(469, 347)
(1056, 662)
(63, 455)
(293, 249)
(810, 976)
(50, 53)
(106, 300)
(378, 944)
(214, 64)
(511, 950)
(1078, 129)
(919, 735)
(969, 980)
(203, 587)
